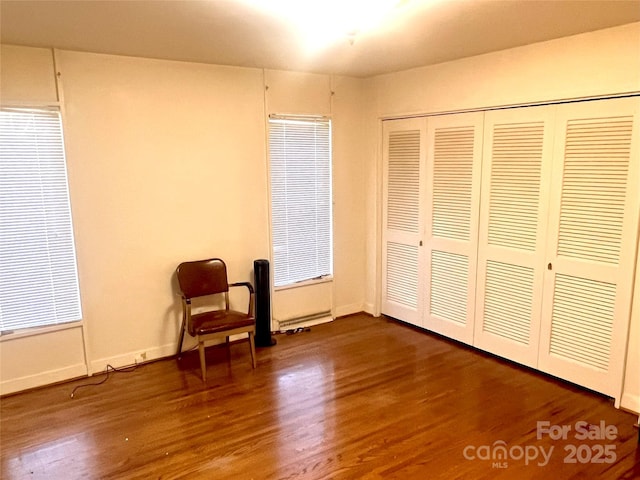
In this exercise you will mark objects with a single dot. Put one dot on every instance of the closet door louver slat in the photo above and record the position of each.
(402, 274)
(515, 185)
(449, 286)
(403, 165)
(593, 192)
(508, 301)
(593, 228)
(403, 185)
(582, 320)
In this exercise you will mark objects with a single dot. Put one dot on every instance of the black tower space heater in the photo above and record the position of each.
(263, 304)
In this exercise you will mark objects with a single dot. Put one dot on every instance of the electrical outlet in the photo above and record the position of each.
(141, 358)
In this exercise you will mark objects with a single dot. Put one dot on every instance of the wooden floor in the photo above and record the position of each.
(359, 398)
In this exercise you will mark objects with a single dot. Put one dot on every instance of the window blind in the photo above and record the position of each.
(38, 274)
(300, 163)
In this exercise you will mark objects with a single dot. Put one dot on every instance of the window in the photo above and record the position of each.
(38, 275)
(300, 159)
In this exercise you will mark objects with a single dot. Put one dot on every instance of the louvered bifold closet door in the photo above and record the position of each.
(403, 169)
(593, 228)
(516, 170)
(454, 154)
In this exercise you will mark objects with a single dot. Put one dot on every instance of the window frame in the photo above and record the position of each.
(322, 278)
(20, 331)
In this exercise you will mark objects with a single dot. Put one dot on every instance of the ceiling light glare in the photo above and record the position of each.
(322, 23)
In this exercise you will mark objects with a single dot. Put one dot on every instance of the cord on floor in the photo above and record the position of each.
(108, 370)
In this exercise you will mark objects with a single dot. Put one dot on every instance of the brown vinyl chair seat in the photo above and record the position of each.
(205, 278)
(218, 321)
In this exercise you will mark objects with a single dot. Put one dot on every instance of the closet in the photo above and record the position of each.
(515, 231)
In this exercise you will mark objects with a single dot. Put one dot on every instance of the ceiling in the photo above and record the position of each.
(231, 32)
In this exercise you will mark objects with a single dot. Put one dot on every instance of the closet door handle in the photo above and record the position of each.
(549, 267)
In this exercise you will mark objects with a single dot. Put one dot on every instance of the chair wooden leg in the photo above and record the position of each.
(252, 347)
(203, 363)
(228, 350)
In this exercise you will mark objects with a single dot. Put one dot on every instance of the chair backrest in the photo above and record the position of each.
(202, 277)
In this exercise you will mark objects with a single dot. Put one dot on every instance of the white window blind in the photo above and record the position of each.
(38, 274)
(300, 160)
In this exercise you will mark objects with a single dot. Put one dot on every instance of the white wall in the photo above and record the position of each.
(27, 75)
(598, 63)
(349, 195)
(167, 162)
(631, 391)
(590, 64)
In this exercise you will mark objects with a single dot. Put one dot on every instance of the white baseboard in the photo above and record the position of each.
(137, 356)
(80, 370)
(344, 310)
(370, 308)
(43, 378)
(630, 402)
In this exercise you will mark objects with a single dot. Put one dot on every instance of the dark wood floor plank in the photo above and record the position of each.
(360, 397)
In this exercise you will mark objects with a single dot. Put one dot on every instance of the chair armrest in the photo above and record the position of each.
(251, 294)
(243, 284)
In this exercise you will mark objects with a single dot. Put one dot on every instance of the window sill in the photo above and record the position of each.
(304, 283)
(31, 332)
